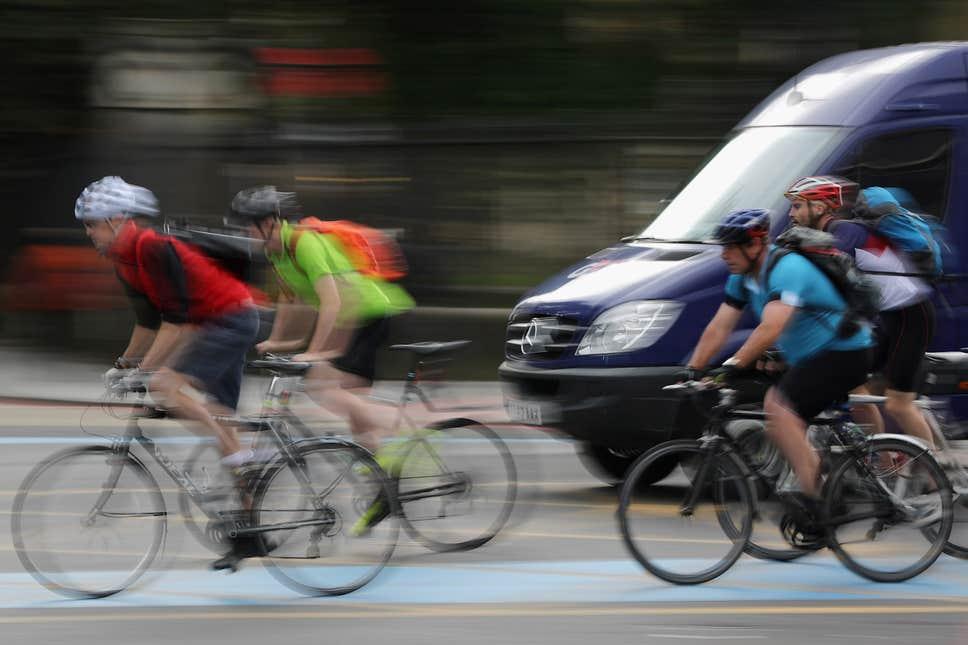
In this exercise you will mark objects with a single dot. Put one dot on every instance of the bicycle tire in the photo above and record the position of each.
(74, 480)
(731, 496)
(456, 484)
(907, 462)
(324, 485)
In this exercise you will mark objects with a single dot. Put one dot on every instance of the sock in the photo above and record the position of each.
(237, 458)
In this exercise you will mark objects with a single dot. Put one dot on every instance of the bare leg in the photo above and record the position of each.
(789, 432)
(329, 388)
(867, 414)
(170, 387)
(900, 405)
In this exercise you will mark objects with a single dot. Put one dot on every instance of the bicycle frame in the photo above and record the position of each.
(715, 439)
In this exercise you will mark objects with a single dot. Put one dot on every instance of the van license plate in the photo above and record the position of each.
(523, 412)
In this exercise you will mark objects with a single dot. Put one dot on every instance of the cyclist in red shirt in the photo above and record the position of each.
(207, 318)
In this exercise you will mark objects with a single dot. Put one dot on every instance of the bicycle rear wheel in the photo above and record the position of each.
(684, 530)
(889, 513)
(957, 545)
(88, 522)
(456, 485)
(304, 508)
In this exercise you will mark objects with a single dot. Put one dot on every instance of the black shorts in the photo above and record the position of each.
(903, 335)
(819, 382)
(360, 355)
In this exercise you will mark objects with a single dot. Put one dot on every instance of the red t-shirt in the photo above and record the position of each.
(182, 283)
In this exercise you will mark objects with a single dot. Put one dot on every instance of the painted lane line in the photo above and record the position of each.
(507, 584)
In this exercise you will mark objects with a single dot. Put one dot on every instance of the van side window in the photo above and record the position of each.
(916, 160)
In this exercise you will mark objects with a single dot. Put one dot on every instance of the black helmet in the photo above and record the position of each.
(739, 227)
(261, 202)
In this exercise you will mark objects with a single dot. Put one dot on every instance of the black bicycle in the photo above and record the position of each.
(886, 510)
(88, 522)
(455, 483)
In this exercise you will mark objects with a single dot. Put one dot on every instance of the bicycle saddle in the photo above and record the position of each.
(281, 366)
(430, 347)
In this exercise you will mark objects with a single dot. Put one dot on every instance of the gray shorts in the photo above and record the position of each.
(215, 359)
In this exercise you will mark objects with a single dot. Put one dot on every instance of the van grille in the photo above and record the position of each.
(536, 336)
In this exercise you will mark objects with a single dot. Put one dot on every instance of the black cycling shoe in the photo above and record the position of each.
(243, 546)
(801, 525)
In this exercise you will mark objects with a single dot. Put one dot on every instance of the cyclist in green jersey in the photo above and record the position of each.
(313, 269)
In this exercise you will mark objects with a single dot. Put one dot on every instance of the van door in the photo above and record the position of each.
(926, 161)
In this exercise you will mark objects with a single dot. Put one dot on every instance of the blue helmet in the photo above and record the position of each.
(741, 226)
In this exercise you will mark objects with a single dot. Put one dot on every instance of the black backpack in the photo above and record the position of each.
(231, 252)
(859, 292)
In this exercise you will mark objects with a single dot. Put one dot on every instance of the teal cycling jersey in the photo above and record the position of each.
(795, 281)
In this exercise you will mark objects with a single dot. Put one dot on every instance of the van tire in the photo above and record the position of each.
(609, 466)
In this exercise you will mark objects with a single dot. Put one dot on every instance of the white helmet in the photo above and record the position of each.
(112, 197)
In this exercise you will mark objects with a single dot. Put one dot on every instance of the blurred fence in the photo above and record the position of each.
(482, 219)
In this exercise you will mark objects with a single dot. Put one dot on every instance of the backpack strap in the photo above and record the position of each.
(775, 256)
(294, 237)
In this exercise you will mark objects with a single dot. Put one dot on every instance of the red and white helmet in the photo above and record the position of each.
(836, 192)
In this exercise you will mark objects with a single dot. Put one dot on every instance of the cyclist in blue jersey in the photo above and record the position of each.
(800, 312)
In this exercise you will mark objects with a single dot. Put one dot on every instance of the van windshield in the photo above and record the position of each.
(750, 170)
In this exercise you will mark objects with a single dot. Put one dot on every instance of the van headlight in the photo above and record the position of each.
(630, 326)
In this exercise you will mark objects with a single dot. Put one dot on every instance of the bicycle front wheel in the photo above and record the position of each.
(456, 485)
(307, 504)
(88, 522)
(691, 526)
(889, 511)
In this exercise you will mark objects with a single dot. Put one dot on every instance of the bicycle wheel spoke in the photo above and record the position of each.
(456, 485)
(680, 529)
(890, 511)
(87, 523)
(305, 512)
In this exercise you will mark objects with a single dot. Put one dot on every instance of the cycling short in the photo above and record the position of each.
(215, 357)
(360, 355)
(812, 386)
(903, 335)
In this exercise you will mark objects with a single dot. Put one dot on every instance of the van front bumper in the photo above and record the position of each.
(619, 407)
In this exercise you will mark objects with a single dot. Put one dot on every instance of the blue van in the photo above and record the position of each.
(589, 350)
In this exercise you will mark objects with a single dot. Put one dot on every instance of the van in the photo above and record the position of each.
(588, 351)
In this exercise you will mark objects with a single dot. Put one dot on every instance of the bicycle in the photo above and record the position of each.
(937, 415)
(883, 496)
(455, 482)
(88, 522)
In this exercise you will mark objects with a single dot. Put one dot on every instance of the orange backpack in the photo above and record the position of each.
(371, 251)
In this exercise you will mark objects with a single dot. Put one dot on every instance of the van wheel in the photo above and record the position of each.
(609, 465)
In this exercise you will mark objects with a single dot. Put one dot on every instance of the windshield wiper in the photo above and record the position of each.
(646, 238)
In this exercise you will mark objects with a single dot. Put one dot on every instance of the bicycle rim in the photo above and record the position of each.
(305, 509)
(456, 485)
(890, 515)
(87, 523)
(677, 544)
(957, 544)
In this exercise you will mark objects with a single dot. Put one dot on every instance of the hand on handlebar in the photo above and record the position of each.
(124, 381)
(278, 346)
(315, 357)
(114, 375)
(689, 374)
